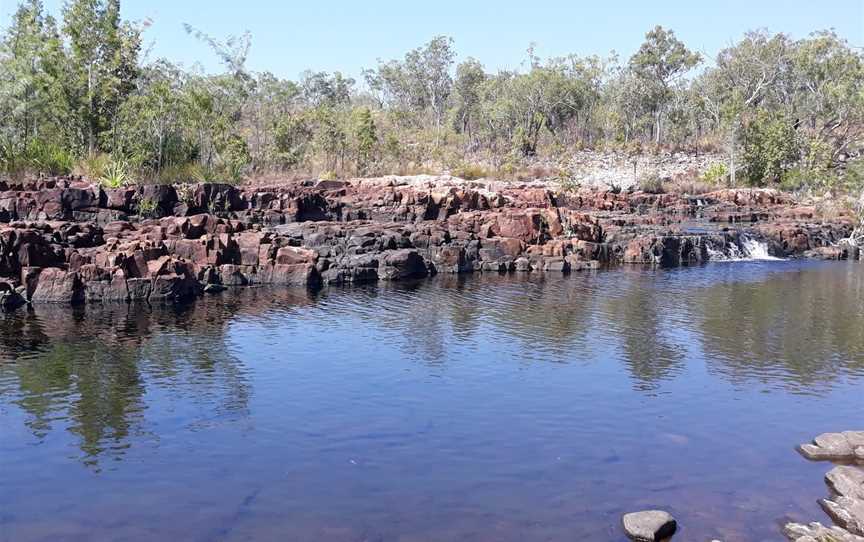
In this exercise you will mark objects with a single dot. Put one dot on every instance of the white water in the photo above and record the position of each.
(750, 250)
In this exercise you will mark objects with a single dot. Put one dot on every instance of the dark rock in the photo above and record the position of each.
(402, 264)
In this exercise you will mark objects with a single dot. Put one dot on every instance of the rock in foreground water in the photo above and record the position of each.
(845, 506)
(649, 525)
(845, 446)
(816, 532)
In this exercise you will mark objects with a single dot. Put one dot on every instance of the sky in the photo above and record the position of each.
(337, 35)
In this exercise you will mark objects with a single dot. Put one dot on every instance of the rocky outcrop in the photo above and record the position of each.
(63, 240)
(845, 505)
(846, 446)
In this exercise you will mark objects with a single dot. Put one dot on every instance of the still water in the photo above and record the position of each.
(457, 408)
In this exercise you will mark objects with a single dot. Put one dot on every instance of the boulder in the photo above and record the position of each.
(10, 298)
(54, 285)
(846, 506)
(844, 446)
(649, 525)
(402, 264)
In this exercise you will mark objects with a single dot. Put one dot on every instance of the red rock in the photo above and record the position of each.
(53, 285)
(295, 255)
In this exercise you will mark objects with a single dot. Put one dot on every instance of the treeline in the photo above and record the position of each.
(78, 94)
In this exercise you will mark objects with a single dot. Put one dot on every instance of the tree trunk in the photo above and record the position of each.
(90, 115)
(732, 158)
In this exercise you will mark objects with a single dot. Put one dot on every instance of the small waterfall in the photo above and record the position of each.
(743, 249)
(757, 250)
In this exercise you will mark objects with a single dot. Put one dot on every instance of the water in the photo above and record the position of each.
(458, 408)
(750, 249)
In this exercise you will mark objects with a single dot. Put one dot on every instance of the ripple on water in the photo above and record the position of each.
(501, 408)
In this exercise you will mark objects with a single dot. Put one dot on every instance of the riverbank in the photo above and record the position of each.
(65, 240)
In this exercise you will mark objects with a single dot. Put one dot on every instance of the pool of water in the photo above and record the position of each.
(457, 408)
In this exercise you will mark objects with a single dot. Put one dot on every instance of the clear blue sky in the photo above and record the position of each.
(290, 36)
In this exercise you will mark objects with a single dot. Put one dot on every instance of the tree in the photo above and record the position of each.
(330, 138)
(469, 80)
(293, 136)
(32, 102)
(421, 82)
(770, 148)
(365, 138)
(103, 68)
(661, 59)
(829, 78)
(151, 123)
(323, 89)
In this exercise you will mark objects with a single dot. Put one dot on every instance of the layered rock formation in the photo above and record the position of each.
(63, 240)
(845, 505)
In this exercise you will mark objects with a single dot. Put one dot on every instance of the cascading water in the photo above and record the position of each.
(744, 249)
(757, 250)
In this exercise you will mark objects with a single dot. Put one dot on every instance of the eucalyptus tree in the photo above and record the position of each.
(661, 60)
(421, 83)
(470, 77)
(102, 67)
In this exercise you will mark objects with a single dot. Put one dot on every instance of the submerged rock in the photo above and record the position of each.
(649, 525)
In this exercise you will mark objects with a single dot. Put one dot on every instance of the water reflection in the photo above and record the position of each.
(436, 407)
(88, 370)
(802, 328)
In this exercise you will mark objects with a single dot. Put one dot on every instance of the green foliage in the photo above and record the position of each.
(93, 167)
(786, 112)
(292, 139)
(661, 59)
(39, 156)
(330, 138)
(771, 148)
(365, 139)
(115, 174)
(853, 176)
(147, 208)
(716, 173)
(234, 152)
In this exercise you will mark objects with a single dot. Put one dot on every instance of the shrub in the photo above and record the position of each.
(235, 157)
(651, 183)
(292, 139)
(717, 173)
(147, 208)
(689, 186)
(185, 193)
(365, 139)
(328, 175)
(853, 177)
(37, 157)
(92, 167)
(48, 158)
(469, 172)
(770, 148)
(115, 174)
